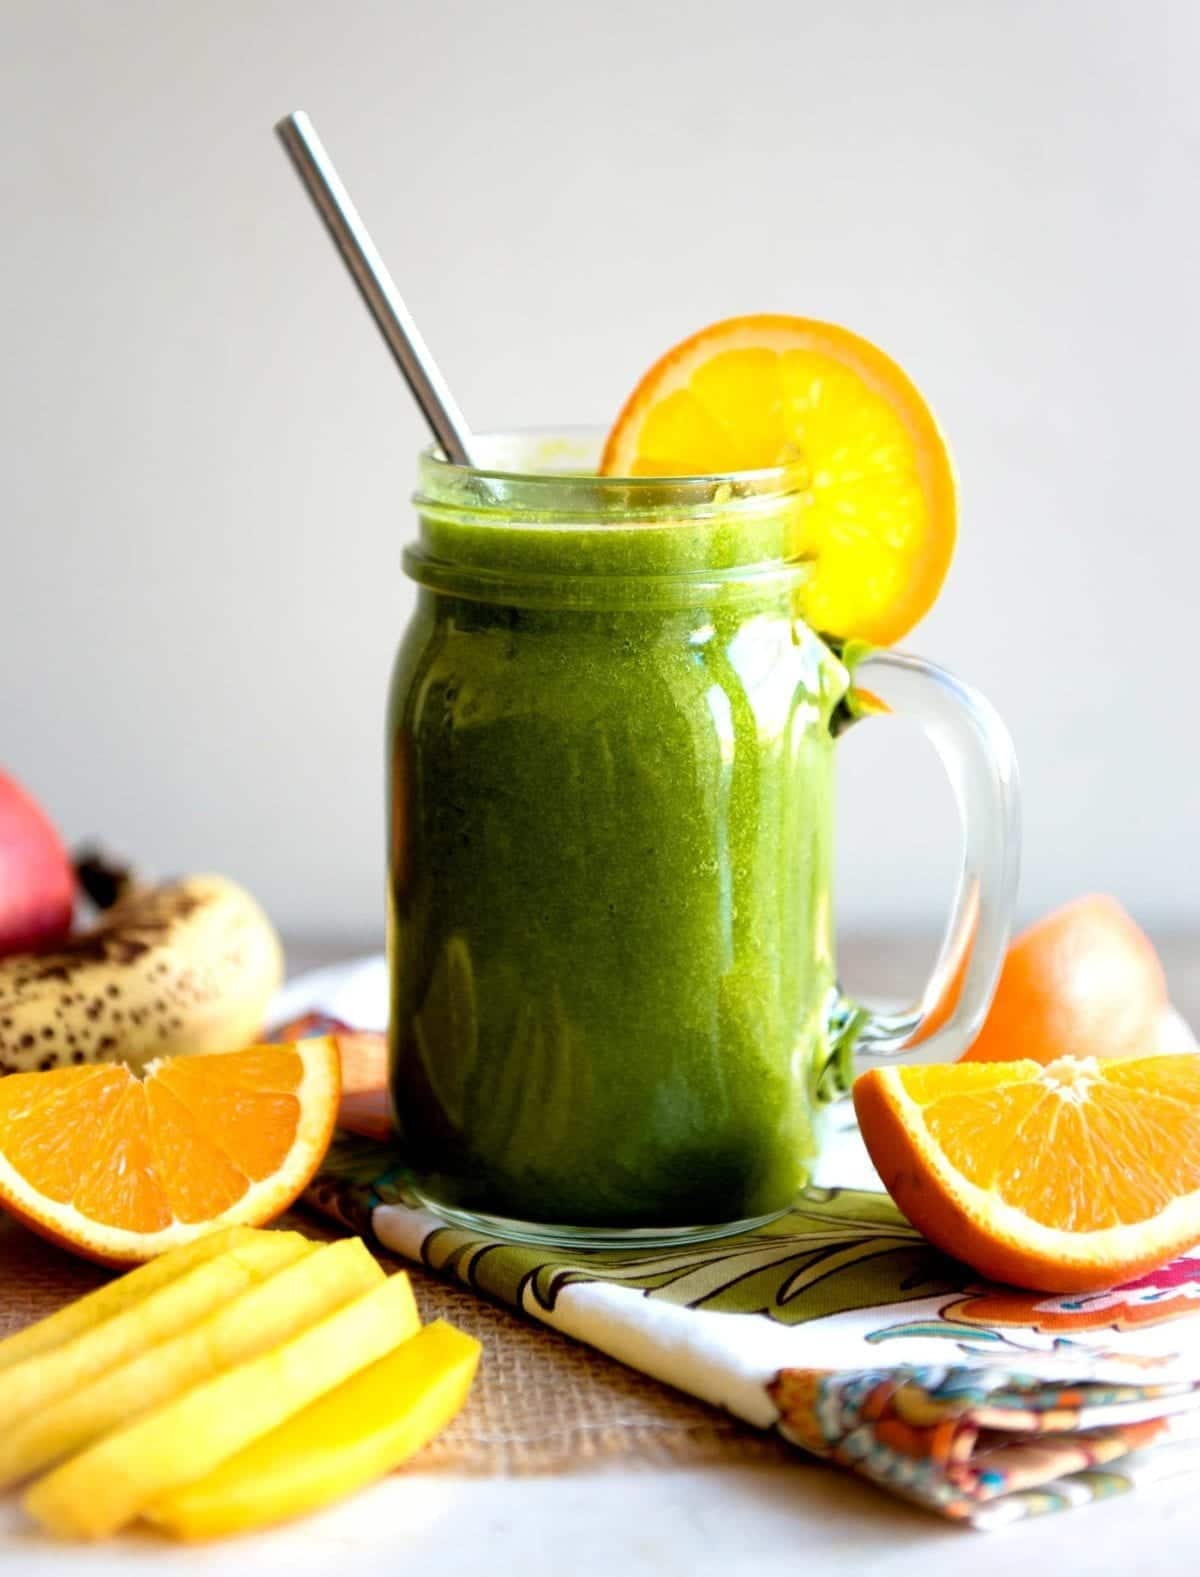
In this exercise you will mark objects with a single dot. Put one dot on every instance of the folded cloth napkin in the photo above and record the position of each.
(838, 1326)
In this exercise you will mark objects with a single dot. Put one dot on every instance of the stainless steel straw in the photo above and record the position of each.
(377, 287)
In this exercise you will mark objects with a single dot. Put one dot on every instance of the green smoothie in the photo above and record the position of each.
(610, 860)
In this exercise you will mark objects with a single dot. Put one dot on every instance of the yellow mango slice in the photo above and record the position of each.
(317, 1281)
(110, 1483)
(346, 1439)
(116, 1296)
(39, 1380)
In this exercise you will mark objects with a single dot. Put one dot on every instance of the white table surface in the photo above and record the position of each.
(660, 1521)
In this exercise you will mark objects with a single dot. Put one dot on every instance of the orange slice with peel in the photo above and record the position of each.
(770, 390)
(1066, 1177)
(120, 1168)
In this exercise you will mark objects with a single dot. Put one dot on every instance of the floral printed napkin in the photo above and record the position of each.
(841, 1328)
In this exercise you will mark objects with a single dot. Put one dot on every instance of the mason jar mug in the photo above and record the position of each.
(615, 1012)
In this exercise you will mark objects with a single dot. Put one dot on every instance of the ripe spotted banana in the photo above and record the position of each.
(186, 966)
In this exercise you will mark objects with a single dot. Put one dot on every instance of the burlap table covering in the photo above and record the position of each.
(541, 1404)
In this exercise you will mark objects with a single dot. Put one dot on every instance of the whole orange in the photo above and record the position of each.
(1085, 981)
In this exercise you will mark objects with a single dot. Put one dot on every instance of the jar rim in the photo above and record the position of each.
(560, 535)
(548, 477)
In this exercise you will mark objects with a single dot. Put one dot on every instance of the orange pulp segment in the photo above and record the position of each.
(120, 1168)
(1066, 1177)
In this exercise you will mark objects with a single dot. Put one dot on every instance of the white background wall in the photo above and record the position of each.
(206, 454)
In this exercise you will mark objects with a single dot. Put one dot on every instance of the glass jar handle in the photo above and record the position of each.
(978, 755)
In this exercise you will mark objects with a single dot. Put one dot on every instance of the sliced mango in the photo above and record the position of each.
(41, 1379)
(317, 1281)
(183, 1440)
(116, 1296)
(348, 1438)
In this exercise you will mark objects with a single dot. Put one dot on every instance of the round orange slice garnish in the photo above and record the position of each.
(121, 1168)
(1066, 1177)
(770, 390)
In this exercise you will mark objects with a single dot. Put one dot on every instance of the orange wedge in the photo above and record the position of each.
(770, 390)
(1083, 982)
(121, 1168)
(1066, 1177)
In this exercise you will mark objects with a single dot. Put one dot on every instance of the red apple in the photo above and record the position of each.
(37, 884)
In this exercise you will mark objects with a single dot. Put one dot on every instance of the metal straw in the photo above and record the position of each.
(377, 287)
